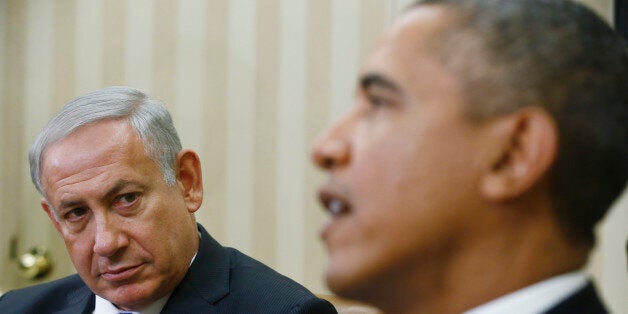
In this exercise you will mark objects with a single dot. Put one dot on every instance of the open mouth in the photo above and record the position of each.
(338, 208)
(333, 203)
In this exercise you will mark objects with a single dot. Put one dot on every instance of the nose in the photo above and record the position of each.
(332, 148)
(109, 238)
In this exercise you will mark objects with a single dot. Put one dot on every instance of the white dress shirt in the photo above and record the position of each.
(105, 307)
(536, 298)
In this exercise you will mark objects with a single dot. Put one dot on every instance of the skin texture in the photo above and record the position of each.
(130, 236)
(439, 210)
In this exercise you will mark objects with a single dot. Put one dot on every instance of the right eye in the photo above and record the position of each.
(75, 214)
(376, 101)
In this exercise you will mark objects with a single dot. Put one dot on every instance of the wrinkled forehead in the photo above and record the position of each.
(92, 145)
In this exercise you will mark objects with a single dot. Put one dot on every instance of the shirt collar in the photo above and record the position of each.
(536, 298)
(103, 306)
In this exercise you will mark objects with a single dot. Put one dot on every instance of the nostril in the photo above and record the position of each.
(335, 153)
(327, 162)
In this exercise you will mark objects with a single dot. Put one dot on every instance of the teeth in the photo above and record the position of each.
(336, 207)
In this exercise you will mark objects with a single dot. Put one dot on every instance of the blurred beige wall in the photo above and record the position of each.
(249, 83)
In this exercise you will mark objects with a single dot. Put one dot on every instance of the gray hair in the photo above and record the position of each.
(148, 117)
(559, 55)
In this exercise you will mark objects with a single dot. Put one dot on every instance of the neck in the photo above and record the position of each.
(511, 254)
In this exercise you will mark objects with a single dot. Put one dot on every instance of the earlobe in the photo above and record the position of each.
(526, 143)
(189, 177)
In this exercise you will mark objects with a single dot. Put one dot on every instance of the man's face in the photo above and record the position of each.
(130, 236)
(402, 163)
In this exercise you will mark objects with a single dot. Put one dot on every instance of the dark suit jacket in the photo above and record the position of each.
(585, 301)
(220, 280)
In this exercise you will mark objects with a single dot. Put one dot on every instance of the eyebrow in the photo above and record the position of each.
(68, 204)
(376, 79)
(115, 189)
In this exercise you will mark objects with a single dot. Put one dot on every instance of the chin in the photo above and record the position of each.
(129, 297)
(340, 288)
(361, 277)
(346, 282)
(132, 304)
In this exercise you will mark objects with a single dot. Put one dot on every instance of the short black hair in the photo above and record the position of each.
(621, 18)
(561, 56)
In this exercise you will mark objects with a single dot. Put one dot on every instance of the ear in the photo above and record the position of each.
(524, 146)
(190, 178)
(50, 211)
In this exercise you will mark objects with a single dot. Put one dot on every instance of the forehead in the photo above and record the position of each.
(90, 149)
(416, 32)
(410, 51)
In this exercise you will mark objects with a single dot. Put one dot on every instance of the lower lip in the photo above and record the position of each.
(121, 276)
(331, 224)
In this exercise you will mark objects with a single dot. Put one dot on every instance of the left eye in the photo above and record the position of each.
(126, 199)
(129, 198)
(75, 214)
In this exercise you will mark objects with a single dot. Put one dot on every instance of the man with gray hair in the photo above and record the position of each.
(486, 140)
(122, 193)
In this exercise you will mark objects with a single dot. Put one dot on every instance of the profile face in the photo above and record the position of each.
(130, 236)
(402, 165)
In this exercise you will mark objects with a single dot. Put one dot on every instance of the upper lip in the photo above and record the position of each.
(117, 270)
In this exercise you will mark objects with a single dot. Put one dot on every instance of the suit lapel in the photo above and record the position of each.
(206, 282)
(585, 300)
(80, 300)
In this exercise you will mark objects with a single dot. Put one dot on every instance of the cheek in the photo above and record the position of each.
(400, 188)
(385, 171)
(80, 250)
(161, 234)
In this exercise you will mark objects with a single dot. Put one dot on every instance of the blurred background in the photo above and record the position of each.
(249, 83)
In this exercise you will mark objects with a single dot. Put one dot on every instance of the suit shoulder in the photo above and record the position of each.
(251, 279)
(256, 274)
(47, 296)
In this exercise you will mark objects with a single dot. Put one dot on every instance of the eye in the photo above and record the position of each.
(377, 101)
(126, 200)
(379, 97)
(75, 214)
(129, 198)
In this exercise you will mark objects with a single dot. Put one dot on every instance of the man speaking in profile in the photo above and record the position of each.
(486, 140)
(122, 193)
